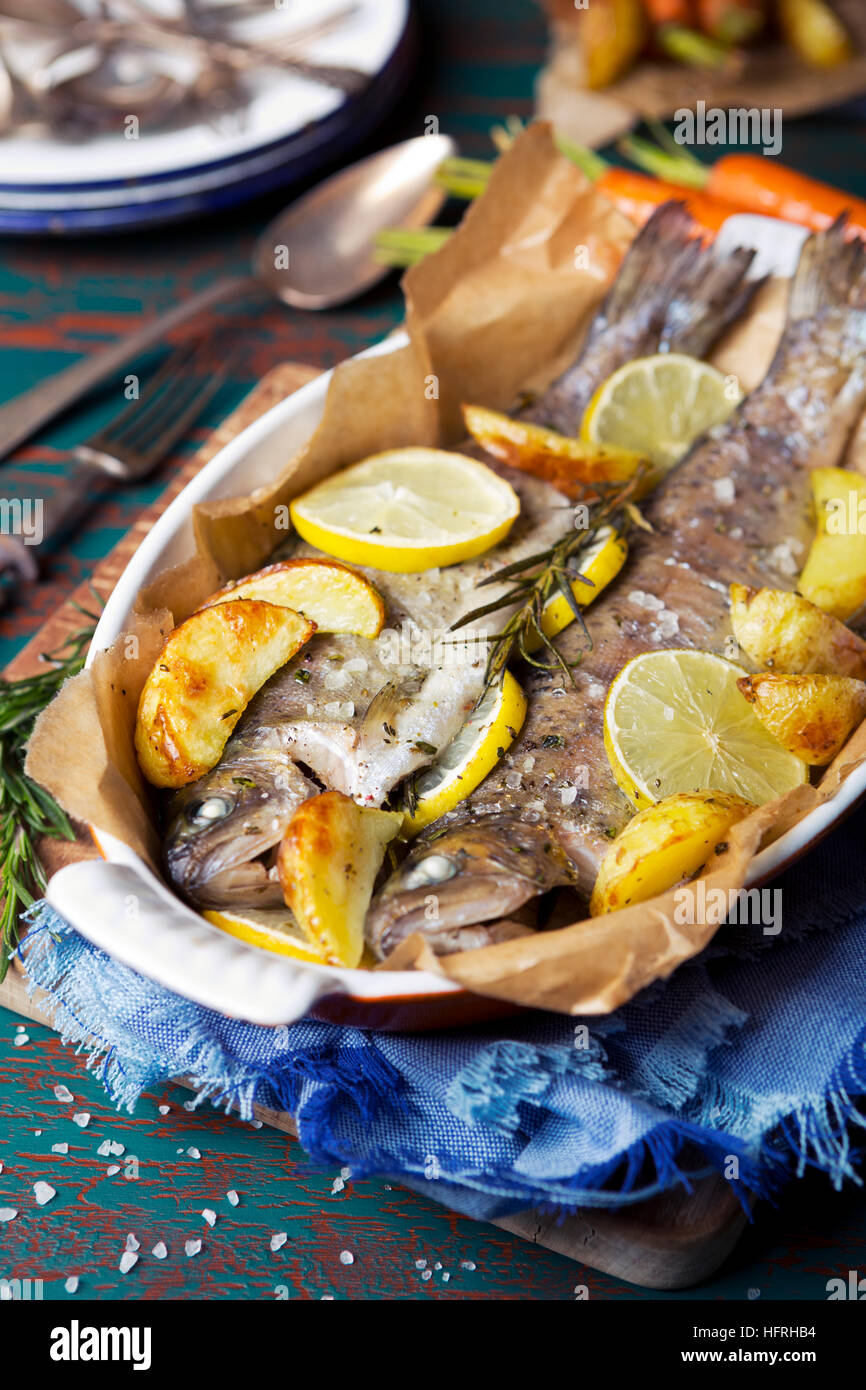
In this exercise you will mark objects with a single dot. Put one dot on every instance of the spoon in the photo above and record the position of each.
(316, 254)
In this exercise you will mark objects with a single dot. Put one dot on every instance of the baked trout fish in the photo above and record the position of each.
(735, 510)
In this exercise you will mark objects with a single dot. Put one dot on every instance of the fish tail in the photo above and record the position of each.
(831, 274)
(663, 252)
(712, 295)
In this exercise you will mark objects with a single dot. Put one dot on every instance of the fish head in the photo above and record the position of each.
(222, 827)
(454, 878)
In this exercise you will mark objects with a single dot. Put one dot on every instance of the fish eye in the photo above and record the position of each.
(211, 809)
(436, 868)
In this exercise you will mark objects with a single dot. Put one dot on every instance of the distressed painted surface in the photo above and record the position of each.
(58, 301)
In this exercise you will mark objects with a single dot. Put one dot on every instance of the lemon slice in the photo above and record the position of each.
(407, 509)
(674, 721)
(658, 406)
(487, 734)
(600, 562)
(273, 929)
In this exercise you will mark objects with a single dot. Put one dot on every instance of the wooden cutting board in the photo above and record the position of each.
(671, 1241)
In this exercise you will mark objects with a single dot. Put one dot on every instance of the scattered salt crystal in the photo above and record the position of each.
(346, 1257)
(595, 690)
(337, 1186)
(332, 709)
(427, 1274)
(467, 1264)
(232, 1197)
(420, 1264)
(44, 1192)
(189, 1105)
(112, 1170)
(194, 1153)
(63, 1094)
(71, 1285)
(357, 663)
(164, 1109)
(438, 1264)
(669, 623)
(528, 763)
(160, 1250)
(736, 533)
(104, 1149)
(20, 1039)
(128, 1261)
(209, 1216)
(514, 780)
(8, 1213)
(278, 1240)
(335, 680)
(60, 1148)
(81, 1118)
(568, 795)
(345, 1174)
(19, 1028)
(256, 1124)
(191, 1247)
(724, 490)
(445, 1277)
(132, 1243)
(116, 1149)
(37, 1132)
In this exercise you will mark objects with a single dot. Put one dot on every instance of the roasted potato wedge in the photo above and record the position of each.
(569, 464)
(834, 575)
(788, 633)
(612, 34)
(327, 864)
(329, 593)
(815, 32)
(663, 845)
(205, 676)
(811, 716)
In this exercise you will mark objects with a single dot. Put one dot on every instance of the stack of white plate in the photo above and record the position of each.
(289, 126)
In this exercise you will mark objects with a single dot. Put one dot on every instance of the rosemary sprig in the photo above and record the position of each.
(535, 578)
(27, 811)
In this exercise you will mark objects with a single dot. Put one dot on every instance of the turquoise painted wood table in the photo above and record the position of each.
(164, 1175)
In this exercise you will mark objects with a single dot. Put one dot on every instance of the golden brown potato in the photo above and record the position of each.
(663, 845)
(788, 633)
(329, 593)
(327, 862)
(203, 679)
(569, 464)
(811, 716)
(834, 575)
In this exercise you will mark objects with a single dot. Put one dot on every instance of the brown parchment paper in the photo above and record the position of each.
(768, 76)
(501, 306)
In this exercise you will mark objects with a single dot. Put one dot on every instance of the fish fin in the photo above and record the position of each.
(384, 708)
(664, 250)
(709, 298)
(831, 274)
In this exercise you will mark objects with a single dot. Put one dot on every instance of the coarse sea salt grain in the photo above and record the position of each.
(724, 490)
(104, 1149)
(278, 1240)
(116, 1149)
(160, 1250)
(112, 1170)
(194, 1153)
(337, 1186)
(128, 1261)
(426, 1274)
(44, 1192)
(346, 1257)
(209, 1216)
(71, 1285)
(568, 795)
(20, 1039)
(191, 1247)
(232, 1197)
(60, 1148)
(420, 1264)
(132, 1243)
(467, 1264)
(8, 1213)
(63, 1094)
(164, 1109)
(81, 1118)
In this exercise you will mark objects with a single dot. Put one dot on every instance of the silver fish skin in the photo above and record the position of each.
(672, 294)
(735, 510)
(349, 713)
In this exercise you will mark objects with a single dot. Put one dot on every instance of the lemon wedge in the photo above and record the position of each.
(834, 575)
(600, 563)
(487, 734)
(658, 406)
(674, 721)
(273, 929)
(407, 509)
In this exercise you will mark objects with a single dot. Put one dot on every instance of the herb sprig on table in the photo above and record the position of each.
(27, 811)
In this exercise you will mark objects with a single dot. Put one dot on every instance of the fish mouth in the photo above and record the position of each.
(462, 877)
(234, 873)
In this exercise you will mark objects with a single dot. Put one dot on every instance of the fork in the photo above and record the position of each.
(126, 450)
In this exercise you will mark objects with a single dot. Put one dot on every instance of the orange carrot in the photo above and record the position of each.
(638, 195)
(669, 11)
(752, 182)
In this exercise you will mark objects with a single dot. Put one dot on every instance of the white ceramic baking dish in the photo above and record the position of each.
(121, 906)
